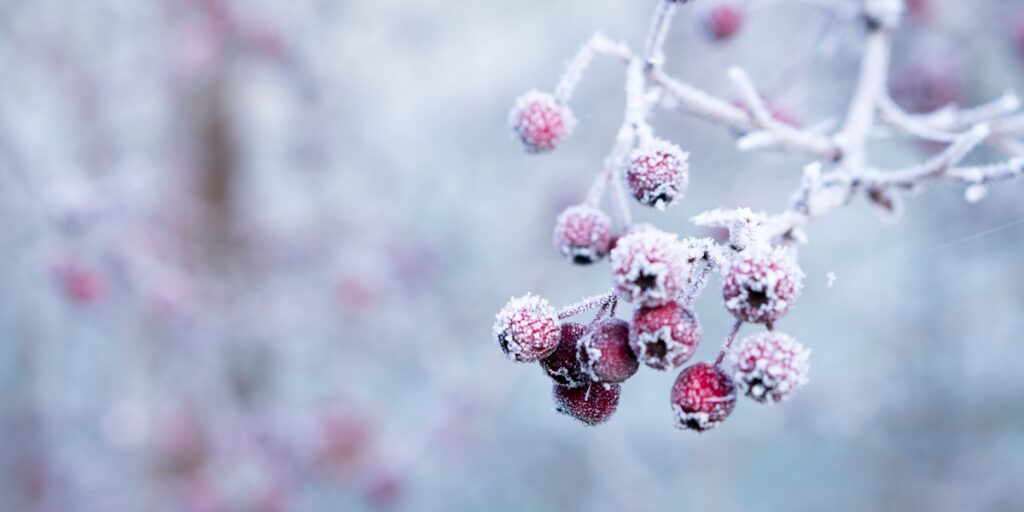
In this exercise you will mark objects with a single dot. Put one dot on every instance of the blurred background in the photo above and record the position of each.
(251, 251)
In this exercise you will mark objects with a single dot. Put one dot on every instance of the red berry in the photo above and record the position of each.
(658, 173)
(761, 285)
(604, 353)
(664, 337)
(592, 404)
(920, 9)
(583, 234)
(724, 21)
(527, 329)
(562, 365)
(540, 121)
(770, 366)
(702, 397)
(648, 267)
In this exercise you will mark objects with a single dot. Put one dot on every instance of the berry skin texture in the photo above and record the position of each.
(658, 173)
(540, 122)
(770, 366)
(761, 285)
(583, 234)
(702, 397)
(664, 337)
(527, 329)
(562, 365)
(604, 353)
(648, 267)
(592, 404)
(723, 22)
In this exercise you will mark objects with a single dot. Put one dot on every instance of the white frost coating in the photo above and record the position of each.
(648, 267)
(530, 122)
(770, 366)
(658, 173)
(526, 328)
(761, 285)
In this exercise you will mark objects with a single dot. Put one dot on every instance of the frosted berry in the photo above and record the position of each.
(562, 365)
(702, 397)
(540, 122)
(583, 234)
(770, 366)
(592, 404)
(527, 329)
(648, 267)
(664, 337)
(604, 353)
(723, 22)
(761, 285)
(657, 173)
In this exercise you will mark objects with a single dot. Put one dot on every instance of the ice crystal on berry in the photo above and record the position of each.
(762, 284)
(770, 366)
(583, 234)
(648, 267)
(540, 122)
(527, 329)
(658, 173)
(702, 397)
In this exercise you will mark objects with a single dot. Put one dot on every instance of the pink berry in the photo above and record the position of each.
(702, 397)
(761, 285)
(540, 121)
(770, 366)
(1018, 34)
(664, 337)
(724, 21)
(592, 404)
(658, 173)
(920, 9)
(583, 234)
(562, 365)
(604, 353)
(527, 329)
(648, 267)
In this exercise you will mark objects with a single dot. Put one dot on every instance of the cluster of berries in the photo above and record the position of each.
(654, 271)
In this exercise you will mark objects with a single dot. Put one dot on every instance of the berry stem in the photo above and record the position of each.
(586, 305)
(654, 54)
(728, 342)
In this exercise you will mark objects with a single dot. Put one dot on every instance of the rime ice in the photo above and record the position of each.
(648, 267)
(527, 329)
(761, 285)
(664, 337)
(658, 173)
(583, 234)
(770, 366)
(702, 397)
(540, 122)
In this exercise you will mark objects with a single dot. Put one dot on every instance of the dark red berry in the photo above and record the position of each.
(604, 353)
(592, 404)
(664, 337)
(562, 365)
(702, 397)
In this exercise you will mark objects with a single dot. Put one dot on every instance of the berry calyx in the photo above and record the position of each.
(604, 352)
(540, 121)
(592, 404)
(770, 366)
(583, 234)
(664, 337)
(527, 329)
(657, 173)
(702, 397)
(648, 267)
(762, 284)
(562, 365)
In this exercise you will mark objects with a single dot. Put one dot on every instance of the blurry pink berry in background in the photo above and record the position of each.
(79, 283)
(927, 86)
(383, 489)
(921, 10)
(540, 122)
(181, 443)
(346, 439)
(723, 22)
(355, 293)
(1018, 34)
